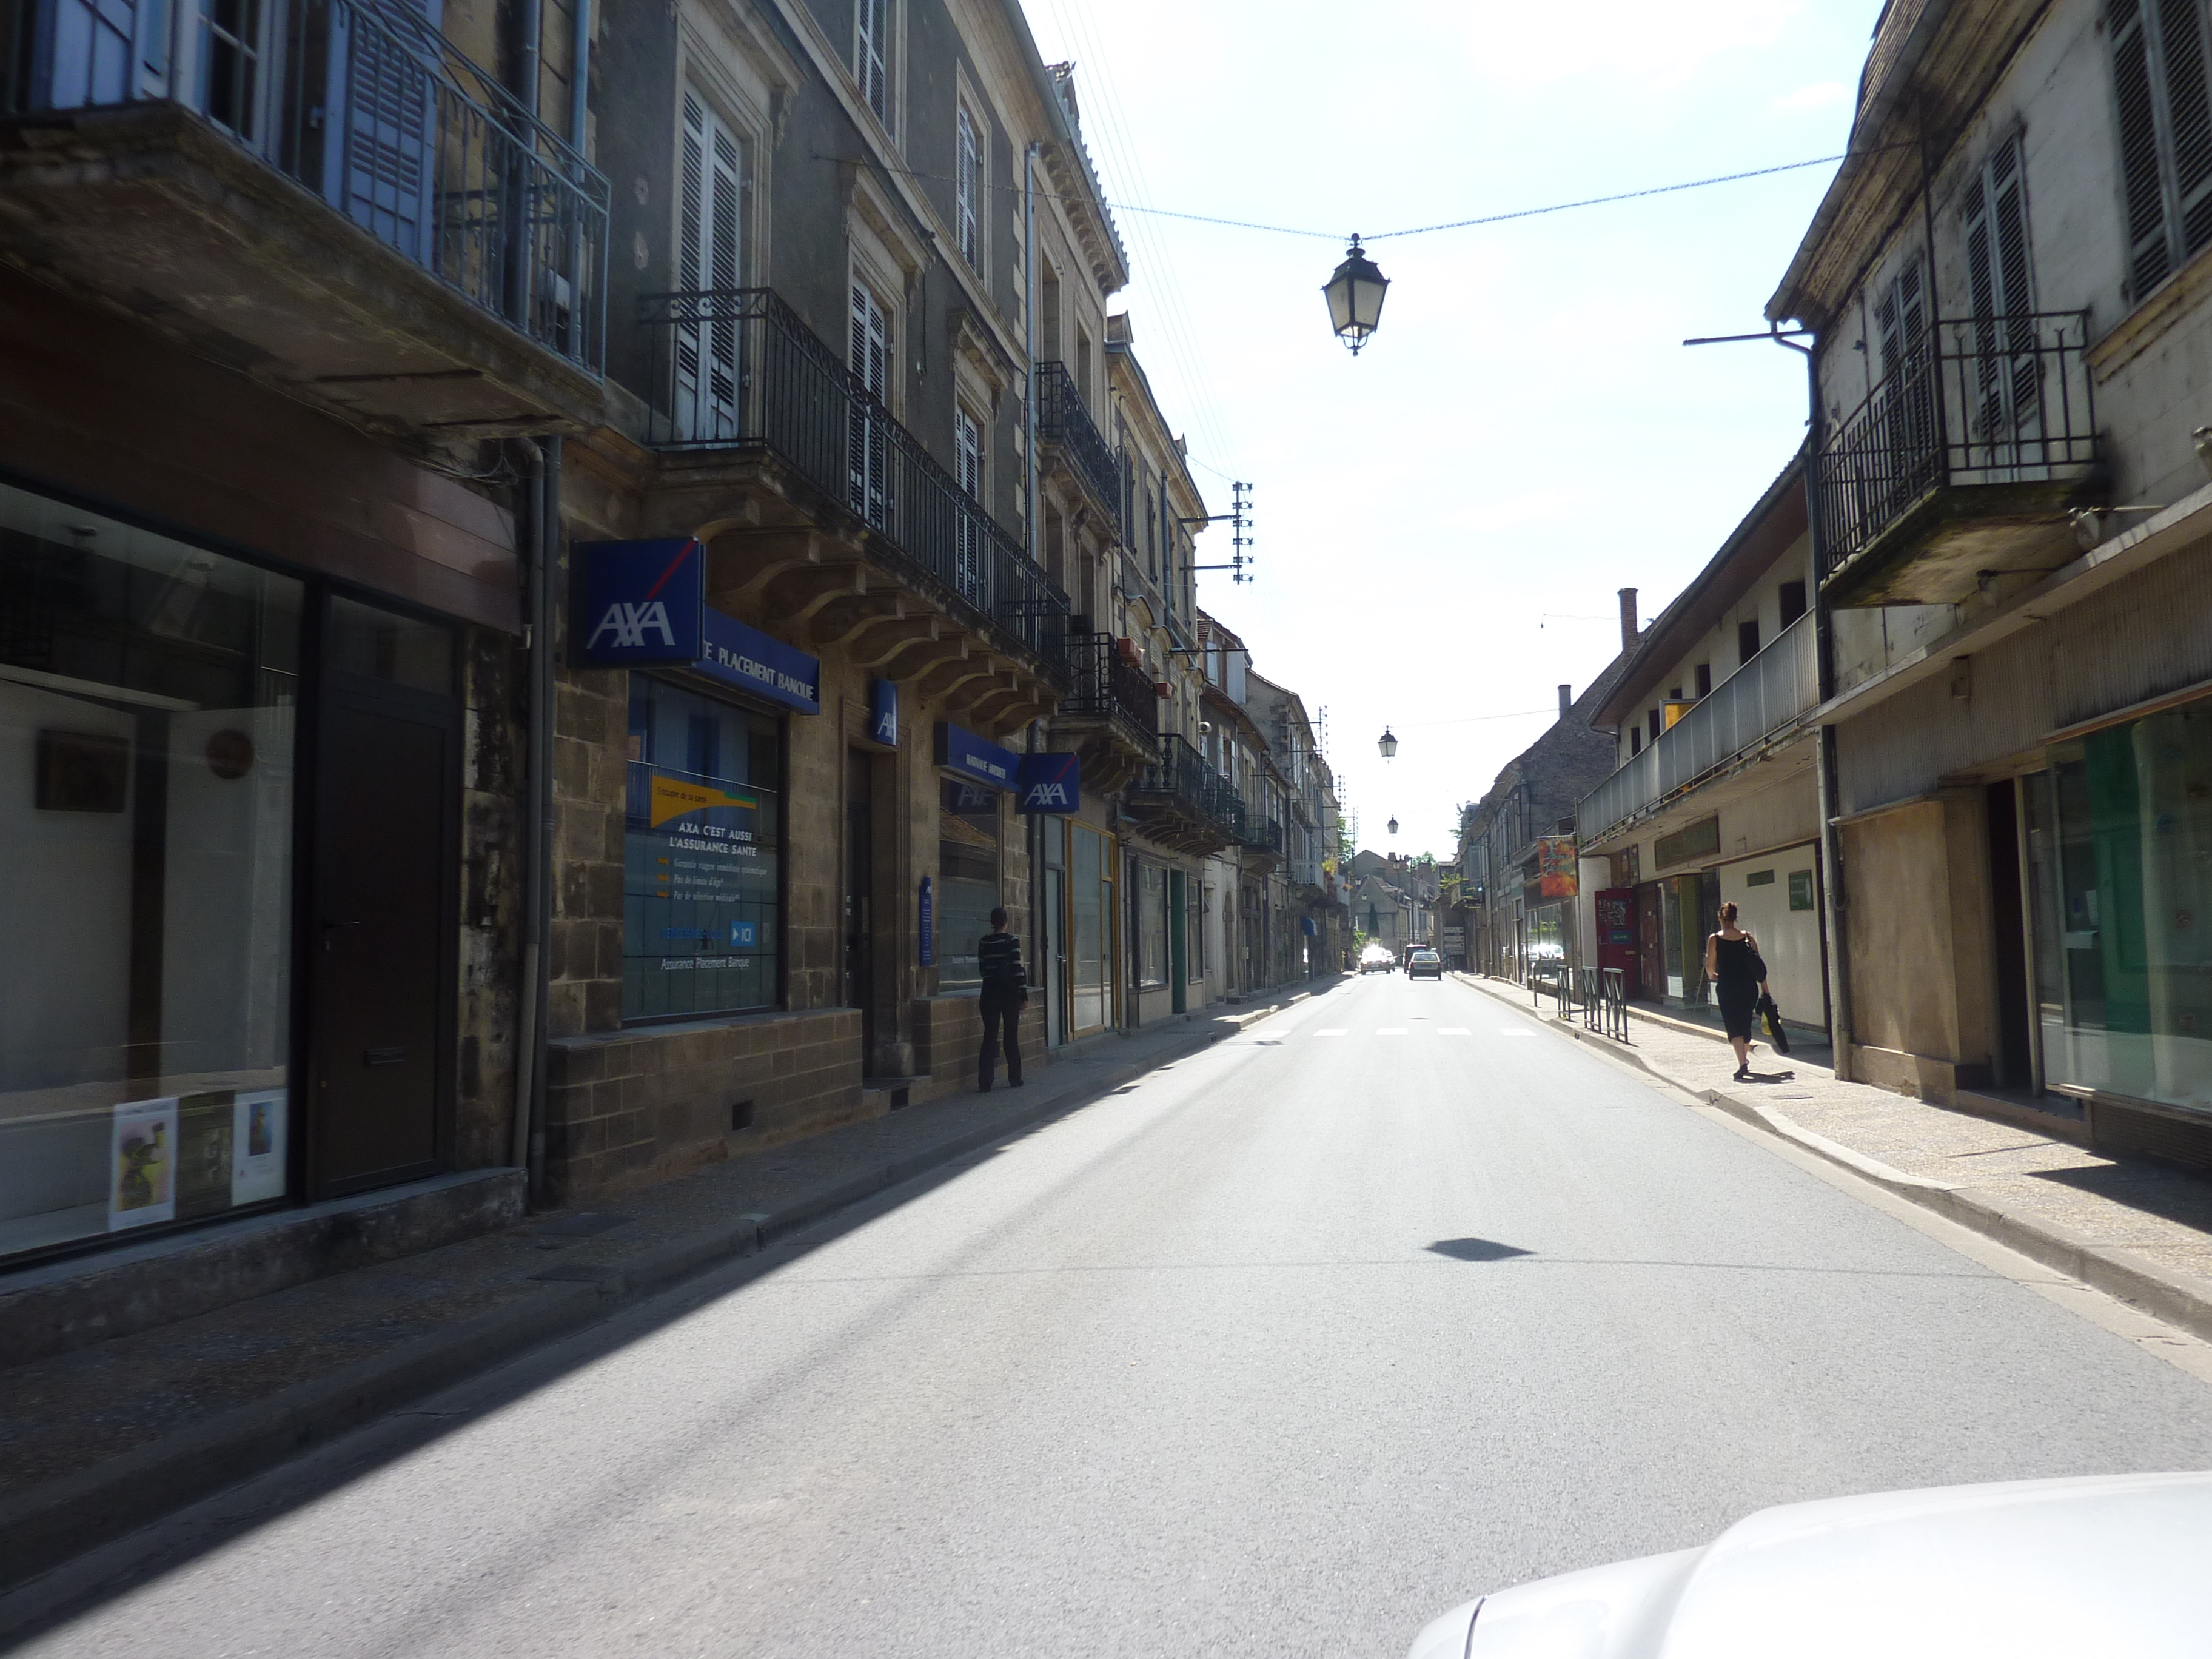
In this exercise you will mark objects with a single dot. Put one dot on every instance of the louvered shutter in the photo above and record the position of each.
(871, 55)
(969, 187)
(380, 141)
(967, 466)
(2188, 119)
(867, 442)
(2006, 377)
(708, 265)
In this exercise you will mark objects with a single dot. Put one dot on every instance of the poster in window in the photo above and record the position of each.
(142, 1163)
(257, 1147)
(206, 1123)
(1555, 866)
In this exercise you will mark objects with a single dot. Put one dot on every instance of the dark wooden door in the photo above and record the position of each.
(860, 896)
(380, 929)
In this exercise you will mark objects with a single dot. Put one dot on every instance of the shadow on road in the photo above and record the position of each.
(1475, 1250)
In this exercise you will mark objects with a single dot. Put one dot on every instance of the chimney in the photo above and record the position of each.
(1566, 701)
(1627, 619)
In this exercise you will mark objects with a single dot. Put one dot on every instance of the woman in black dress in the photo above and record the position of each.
(1739, 976)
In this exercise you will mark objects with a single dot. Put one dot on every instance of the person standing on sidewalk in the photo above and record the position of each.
(1005, 993)
(1739, 976)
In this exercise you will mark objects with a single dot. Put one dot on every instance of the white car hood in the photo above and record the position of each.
(2110, 1564)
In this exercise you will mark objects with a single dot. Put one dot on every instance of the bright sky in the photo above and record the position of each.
(1525, 433)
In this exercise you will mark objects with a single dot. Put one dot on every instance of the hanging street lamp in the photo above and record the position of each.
(1393, 826)
(1386, 744)
(1355, 297)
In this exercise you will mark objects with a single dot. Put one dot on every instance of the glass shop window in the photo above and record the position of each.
(2120, 853)
(967, 879)
(1152, 924)
(702, 849)
(147, 697)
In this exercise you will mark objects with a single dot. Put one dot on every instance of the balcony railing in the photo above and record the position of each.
(1990, 400)
(369, 107)
(1105, 685)
(1063, 420)
(1182, 777)
(1262, 834)
(737, 369)
(1760, 699)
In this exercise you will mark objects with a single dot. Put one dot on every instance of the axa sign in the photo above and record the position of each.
(1048, 783)
(644, 602)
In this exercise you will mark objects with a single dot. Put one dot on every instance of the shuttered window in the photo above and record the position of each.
(2003, 300)
(868, 443)
(2164, 107)
(872, 54)
(969, 175)
(706, 261)
(968, 471)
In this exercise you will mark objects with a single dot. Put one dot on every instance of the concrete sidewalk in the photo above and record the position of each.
(2135, 1229)
(99, 1441)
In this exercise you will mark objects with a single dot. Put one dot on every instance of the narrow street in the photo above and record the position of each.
(1396, 1299)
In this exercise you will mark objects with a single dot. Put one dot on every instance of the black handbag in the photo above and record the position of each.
(1771, 1017)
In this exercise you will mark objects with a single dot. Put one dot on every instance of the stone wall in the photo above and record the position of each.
(627, 1108)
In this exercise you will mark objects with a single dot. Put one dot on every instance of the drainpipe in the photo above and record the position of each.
(542, 457)
(1029, 308)
(1835, 954)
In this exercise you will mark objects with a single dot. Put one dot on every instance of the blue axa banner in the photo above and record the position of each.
(746, 658)
(1048, 783)
(959, 749)
(644, 602)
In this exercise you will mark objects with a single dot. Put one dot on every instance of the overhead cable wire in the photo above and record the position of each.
(1484, 219)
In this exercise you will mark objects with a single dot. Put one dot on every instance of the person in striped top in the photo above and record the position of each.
(1005, 992)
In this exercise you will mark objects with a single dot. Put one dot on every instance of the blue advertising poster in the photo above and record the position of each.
(961, 750)
(928, 925)
(1048, 783)
(883, 713)
(644, 602)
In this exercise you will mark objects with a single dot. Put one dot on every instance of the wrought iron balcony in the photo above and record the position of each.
(1063, 421)
(736, 369)
(1184, 804)
(229, 163)
(1760, 700)
(1261, 834)
(1963, 460)
(1105, 688)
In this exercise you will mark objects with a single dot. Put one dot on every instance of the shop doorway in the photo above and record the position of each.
(381, 929)
(1178, 944)
(2016, 1055)
(860, 896)
(1055, 953)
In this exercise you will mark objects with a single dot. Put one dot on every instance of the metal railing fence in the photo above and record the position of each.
(366, 104)
(738, 368)
(1760, 699)
(1183, 773)
(1103, 685)
(1063, 420)
(1977, 400)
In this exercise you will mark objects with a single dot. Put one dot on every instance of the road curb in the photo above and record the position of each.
(44, 1525)
(2179, 1298)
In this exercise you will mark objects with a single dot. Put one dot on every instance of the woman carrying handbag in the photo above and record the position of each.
(1739, 976)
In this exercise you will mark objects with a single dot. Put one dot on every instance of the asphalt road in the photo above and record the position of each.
(1394, 1300)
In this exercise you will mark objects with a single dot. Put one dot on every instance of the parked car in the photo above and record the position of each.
(1376, 959)
(1426, 962)
(2102, 1564)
